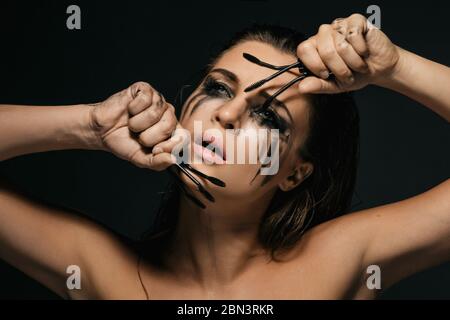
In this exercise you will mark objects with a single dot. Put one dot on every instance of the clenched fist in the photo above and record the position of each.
(355, 51)
(131, 122)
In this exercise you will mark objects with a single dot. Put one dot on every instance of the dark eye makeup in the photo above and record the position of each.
(214, 88)
(266, 117)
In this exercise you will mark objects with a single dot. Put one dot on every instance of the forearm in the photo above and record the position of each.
(423, 80)
(30, 129)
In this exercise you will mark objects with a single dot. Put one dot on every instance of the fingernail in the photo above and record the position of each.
(157, 150)
(324, 74)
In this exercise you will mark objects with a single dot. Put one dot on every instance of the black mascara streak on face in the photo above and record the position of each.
(199, 102)
(257, 173)
(187, 104)
(265, 180)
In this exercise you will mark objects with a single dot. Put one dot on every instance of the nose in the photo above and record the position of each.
(230, 114)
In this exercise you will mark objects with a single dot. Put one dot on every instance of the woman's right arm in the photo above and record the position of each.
(30, 129)
(43, 241)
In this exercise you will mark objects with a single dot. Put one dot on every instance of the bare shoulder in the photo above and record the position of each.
(326, 263)
(399, 238)
(110, 267)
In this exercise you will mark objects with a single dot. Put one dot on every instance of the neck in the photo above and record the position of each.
(214, 246)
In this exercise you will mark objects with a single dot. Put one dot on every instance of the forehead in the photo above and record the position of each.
(261, 50)
(248, 73)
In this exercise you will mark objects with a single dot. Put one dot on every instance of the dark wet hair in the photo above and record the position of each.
(332, 145)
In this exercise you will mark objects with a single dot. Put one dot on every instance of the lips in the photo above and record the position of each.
(216, 142)
(209, 142)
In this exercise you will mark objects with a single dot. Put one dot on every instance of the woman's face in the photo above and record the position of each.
(225, 114)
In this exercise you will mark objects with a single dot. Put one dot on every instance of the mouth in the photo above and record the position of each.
(211, 150)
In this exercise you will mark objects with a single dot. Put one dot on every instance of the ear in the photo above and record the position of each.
(299, 173)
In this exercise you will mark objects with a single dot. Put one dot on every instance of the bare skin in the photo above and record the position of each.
(215, 253)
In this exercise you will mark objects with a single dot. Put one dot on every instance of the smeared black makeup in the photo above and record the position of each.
(214, 88)
(270, 118)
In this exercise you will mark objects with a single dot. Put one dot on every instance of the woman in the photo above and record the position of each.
(250, 243)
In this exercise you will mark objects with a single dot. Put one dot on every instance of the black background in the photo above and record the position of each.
(404, 146)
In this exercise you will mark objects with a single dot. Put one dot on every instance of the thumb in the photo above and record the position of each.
(316, 85)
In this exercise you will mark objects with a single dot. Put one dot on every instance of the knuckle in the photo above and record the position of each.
(328, 52)
(162, 97)
(304, 47)
(163, 105)
(357, 16)
(144, 139)
(337, 21)
(166, 128)
(324, 27)
(157, 97)
(132, 126)
(352, 32)
(172, 121)
(152, 114)
(342, 46)
(142, 85)
(137, 88)
(145, 98)
(158, 101)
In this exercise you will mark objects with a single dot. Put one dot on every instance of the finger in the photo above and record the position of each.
(356, 30)
(159, 131)
(330, 56)
(317, 85)
(144, 159)
(176, 140)
(340, 25)
(142, 101)
(348, 54)
(307, 53)
(142, 95)
(149, 116)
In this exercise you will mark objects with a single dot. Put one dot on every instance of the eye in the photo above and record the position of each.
(269, 118)
(215, 88)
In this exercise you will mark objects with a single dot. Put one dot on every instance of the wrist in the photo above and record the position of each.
(90, 133)
(398, 74)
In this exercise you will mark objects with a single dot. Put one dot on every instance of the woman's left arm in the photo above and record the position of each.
(410, 235)
(404, 237)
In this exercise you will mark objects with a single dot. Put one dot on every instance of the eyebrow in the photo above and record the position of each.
(226, 73)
